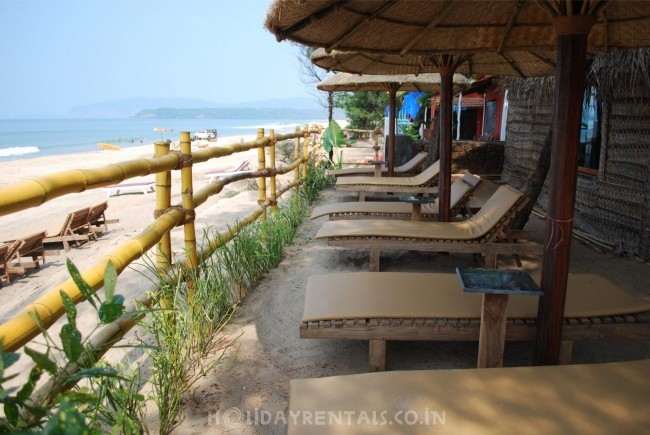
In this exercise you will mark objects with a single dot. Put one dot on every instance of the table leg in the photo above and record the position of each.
(492, 335)
(378, 170)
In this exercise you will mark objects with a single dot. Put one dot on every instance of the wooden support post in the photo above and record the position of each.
(392, 111)
(569, 93)
(163, 202)
(566, 352)
(492, 335)
(187, 192)
(305, 150)
(374, 259)
(377, 356)
(296, 152)
(444, 180)
(274, 185)
(261, 165)
(362, 196)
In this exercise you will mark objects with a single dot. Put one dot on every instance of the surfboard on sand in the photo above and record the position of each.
(108, 146)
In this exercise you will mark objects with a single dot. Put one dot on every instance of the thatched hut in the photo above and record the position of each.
(613, 189)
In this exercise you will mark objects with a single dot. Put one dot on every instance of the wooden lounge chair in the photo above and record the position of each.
(214, 175)
(75, 229)
(420, 183)
(432, 306)
(483, 233)
(460, 193)
(606, 398)
(412, 167)
(144, 187)
(97, 222)
(8, 253)
(32, 247)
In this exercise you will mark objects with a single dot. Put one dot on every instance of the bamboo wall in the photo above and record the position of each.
(615, 204)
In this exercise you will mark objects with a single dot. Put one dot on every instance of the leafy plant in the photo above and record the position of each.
(333, 136)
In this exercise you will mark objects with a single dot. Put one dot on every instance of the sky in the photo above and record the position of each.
(55, 54)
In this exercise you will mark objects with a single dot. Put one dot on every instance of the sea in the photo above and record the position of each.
(29, 138)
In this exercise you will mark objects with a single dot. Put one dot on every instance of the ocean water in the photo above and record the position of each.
(28, 138)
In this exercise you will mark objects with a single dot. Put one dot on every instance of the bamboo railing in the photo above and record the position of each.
(31, 193)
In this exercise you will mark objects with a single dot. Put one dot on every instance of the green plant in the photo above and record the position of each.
(412, 130)
(333, 136)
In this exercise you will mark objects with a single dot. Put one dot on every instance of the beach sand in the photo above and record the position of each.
(265, 351)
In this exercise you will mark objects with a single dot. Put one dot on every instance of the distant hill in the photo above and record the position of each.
(197, 108)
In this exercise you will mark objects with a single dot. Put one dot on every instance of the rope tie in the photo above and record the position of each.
(184, 160)
(556, 223)
(188, 215)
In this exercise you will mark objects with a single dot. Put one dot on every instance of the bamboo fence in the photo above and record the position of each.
(22, 328)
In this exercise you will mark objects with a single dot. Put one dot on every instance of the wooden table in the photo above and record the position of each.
(378, 164)
(496, 285)
(416, 201)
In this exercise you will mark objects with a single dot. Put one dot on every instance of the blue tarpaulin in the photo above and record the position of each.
(410, 107)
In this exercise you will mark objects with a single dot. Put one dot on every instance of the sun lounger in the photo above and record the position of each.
(484, 233)
(26, 247)
(432, 306)
(411, 167)
(145, 187)
(606, 398)
(75, 229)
(460, 193)
(8, 253)
(213, 175)
(421, 183)
(97, 218)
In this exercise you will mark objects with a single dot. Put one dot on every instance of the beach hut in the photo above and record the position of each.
(423, 28)
(390, 84)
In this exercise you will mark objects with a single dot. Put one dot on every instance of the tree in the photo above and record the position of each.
(312, 75)
(365, 110)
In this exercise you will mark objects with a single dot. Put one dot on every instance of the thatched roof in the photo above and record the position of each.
(406, 82)
(425, 27)
(522, 64)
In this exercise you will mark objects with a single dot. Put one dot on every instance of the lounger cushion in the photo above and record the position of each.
(372, 295)
(496, 207)
(459, 189)
(572, 399)
(418, 180)
(416, 160)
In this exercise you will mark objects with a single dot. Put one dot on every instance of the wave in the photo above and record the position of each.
(18, 151)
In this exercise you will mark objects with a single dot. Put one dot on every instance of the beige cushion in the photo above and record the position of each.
(415, 181)
(368, 295)
(417, 159)
(610, 398)
(459, 189)
(496, 207)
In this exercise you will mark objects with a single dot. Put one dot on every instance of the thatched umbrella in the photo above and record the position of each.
(391, 84)
(423, 28)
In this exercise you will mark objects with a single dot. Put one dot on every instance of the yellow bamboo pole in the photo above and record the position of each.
(163, 202)
(296, 152)
(305, 151)
(187, 195)
(49, 307)
(274, 186)
(261, 165)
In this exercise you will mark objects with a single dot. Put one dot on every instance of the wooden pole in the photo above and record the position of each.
(296, 153)
(191, 259)
(261, 165)
(163, 202)
(305, 150)
(392, 115)
(274, 185)
(444, 183)
(569, 94)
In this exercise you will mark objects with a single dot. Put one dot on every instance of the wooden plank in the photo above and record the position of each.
(492, 333)
(377, 356)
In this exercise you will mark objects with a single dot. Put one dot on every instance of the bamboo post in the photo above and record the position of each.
(163, 202)
(192, 259)
(296, 152)
(261, 165)
(274, 185)
(305, 150)
(444, 179)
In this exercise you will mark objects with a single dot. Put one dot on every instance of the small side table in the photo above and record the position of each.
(378, 164)
(496, 285)
(416, 202)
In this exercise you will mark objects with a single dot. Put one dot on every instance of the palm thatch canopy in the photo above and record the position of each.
(406, 82)
(425, 27)
(519, 64)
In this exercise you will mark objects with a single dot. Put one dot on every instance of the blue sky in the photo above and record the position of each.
(59, 54)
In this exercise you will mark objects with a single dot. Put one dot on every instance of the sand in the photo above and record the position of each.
(266, 352)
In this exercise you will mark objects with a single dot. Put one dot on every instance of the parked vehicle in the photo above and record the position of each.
(208, 134)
